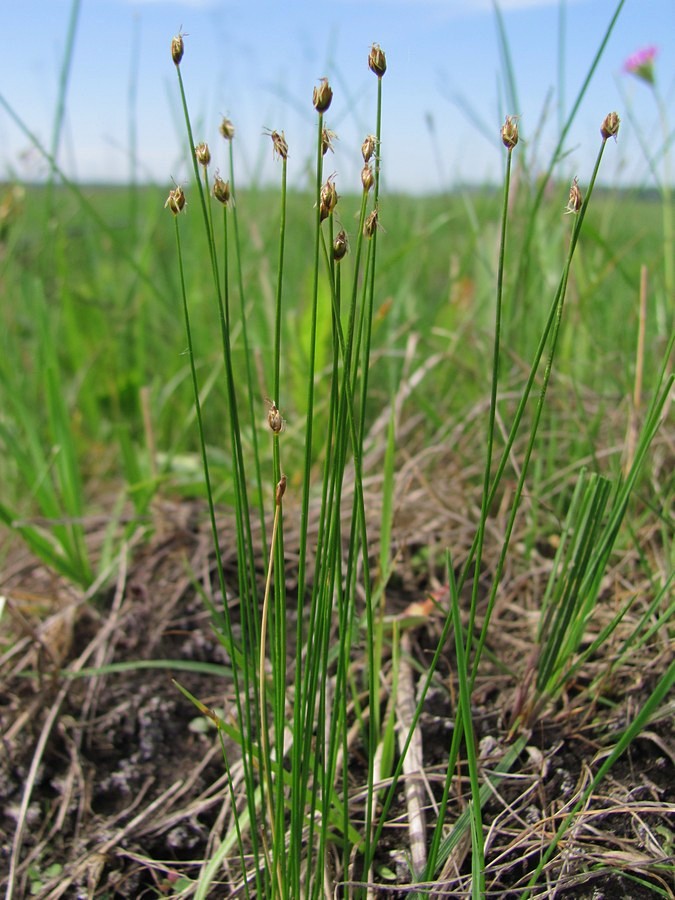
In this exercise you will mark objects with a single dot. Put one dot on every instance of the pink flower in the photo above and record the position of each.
(641, 64)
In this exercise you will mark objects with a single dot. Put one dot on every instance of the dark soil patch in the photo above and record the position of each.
(128, 793)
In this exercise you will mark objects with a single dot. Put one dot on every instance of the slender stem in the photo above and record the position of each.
(212, 515)
(493, 406)
(60, 113)
(247, 354)
(303, 697)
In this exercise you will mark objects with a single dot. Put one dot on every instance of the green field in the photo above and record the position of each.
(439, 664)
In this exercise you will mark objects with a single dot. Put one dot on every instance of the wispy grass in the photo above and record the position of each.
(360, 328)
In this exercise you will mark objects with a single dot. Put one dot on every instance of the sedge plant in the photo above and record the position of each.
(294, 809)
(294, 713)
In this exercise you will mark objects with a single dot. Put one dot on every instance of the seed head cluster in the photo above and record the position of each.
(176, 200)
(274, 418)
(340, 246)
(367, 178)
(177, 48)
(510, 132)
(370, 225)
(226, 129)
(368, 147)
(322, 96)
(321, 99)
(281, 490)
(203, 154)
(329, 198)
(377, 61)
(610, 126)
(279, 145)
(221, 190)
(575, 200)
(327, 138)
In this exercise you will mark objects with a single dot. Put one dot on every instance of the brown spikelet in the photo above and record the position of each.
(176, 200)
(221, 190)
(203, 154)
(279, 145)
(368, 147)
(322, 96)
(575, 200)
(340, 246)
(274, 418)
(177, 48)
(370, 225)
(510, 132)
(329, 197)
(610, 126)
(226, 128)
(281, 490)
(377, 61)
(327, 138)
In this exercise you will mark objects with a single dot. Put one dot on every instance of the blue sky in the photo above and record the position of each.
(257, 62)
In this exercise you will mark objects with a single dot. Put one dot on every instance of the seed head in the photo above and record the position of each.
(370, 225)
(367, 178)
(340, 246)
(575, 200)
(327, 138)
(322, 96)
(274, 418)
(281, 490)
(227, 129)
(377, 61)
(203, 154)
(329, 198)
(279, 145)
(177, 48)
(610, 126)
(176, 200)
(368, 147)
(221, 190)
(510, 132)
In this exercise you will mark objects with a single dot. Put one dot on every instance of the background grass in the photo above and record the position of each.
(115, 333)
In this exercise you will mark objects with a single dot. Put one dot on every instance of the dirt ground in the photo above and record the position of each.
(111, 786)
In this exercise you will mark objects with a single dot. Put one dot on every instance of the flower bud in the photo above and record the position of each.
(279, 145)
(281, 490)
(221, 190)
(327, 138)
(177, 48)
(176, 200)
(641, 64)
(322, 96)
(226, 129)
(203, 154)
(368, 147)
(610, 126)
(340, 246)
(510, 132)
(274, 418)
(370, 225)
(377, 61)
(575, 201)
(367, 178)
(329, 198)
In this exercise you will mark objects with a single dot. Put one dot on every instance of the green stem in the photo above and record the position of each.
(493, 406)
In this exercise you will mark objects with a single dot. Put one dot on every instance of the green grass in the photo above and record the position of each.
(136, 362)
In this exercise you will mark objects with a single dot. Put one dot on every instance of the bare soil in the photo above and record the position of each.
(110, 786)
